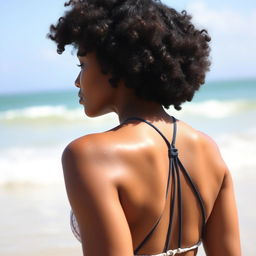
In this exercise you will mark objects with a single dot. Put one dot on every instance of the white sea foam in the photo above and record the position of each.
(217, 109)
(41, 113)
(30, 165)
(238, 151)
(211, 109)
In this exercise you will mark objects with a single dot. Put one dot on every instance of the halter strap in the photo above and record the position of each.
(165, 139)
(175, 166)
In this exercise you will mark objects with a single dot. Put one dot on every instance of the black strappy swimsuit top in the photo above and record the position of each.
(175, 167)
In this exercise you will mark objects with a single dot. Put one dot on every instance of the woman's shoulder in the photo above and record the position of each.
(211, 152)
(90, 148)
(91, 159)
(104, 148)
(202, 150)
(198, 139)
(109, 143)
(87, 143)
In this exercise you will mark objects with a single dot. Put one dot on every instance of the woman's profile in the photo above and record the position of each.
(153, 185)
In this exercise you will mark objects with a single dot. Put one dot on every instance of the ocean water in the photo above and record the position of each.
(36, 127)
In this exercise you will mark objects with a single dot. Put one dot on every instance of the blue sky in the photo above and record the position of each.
(29, 62)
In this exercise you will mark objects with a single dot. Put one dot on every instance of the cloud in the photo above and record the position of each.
(233, 39)
(224, 21)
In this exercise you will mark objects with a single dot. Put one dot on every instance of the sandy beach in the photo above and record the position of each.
(35, 221)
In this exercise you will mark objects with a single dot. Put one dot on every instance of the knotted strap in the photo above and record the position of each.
(175, 167)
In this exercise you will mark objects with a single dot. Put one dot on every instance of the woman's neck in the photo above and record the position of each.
(127, 104)
(136, 107)
(148, 111)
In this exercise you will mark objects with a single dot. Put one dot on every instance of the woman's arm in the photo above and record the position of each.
(222, 230)
(94, 199)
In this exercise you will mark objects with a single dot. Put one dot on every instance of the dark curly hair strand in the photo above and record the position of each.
(154, 49)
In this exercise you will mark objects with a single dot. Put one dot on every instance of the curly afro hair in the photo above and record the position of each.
(154, 49)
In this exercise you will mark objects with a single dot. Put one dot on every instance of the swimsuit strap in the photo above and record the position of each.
(165, 139)
(175, 166)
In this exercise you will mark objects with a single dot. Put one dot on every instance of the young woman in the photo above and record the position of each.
(153, 185)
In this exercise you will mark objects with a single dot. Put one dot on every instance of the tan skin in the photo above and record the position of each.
(116, 179)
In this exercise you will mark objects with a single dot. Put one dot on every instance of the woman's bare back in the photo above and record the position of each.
(138, 165)
(149, 174)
